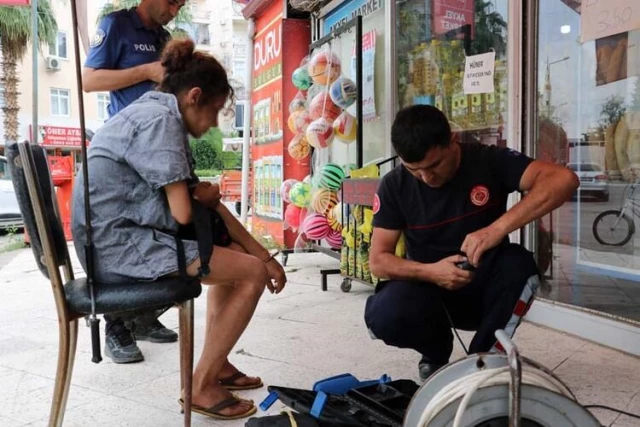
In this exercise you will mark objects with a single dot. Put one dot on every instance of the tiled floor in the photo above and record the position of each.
(295, 339)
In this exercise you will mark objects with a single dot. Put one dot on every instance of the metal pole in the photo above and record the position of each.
(515, 369)
(391, 86)
(34, 70)
(248, 84)
(359, 143)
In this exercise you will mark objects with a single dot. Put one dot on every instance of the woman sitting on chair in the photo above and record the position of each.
(141, 183)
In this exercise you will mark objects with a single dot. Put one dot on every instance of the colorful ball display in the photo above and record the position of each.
(285, 188)
(334, 223)
(292, 216)
(324, 67)
(330, 176)
(320, 133)
(338, 215)
(298, 104)
(305, 61)
(300, 194)
(298, 121)
(323, 200)
(334, 239)
(343, 92)
(315, 226)
(299, 147)
(322, 106)
(314, 90)
(301, 78)
(345, 128)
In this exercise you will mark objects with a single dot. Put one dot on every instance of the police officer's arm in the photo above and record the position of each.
(107, 48)
(103, 80)
(547, 185)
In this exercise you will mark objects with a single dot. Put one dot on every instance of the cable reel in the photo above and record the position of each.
(496, 390)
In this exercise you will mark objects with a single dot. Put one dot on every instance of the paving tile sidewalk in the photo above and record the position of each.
(294, 339)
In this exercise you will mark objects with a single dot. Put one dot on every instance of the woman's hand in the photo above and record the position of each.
(277, 276)
(208, 194)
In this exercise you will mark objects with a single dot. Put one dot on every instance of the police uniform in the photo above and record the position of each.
(121, 42)
(435, 222)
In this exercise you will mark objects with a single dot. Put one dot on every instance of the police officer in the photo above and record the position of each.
(450, 201)
(124, 60)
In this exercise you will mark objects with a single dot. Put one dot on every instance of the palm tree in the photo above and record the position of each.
(15, 34)
(490, 30)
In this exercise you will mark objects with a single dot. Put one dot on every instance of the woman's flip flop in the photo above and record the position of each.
(230, 382)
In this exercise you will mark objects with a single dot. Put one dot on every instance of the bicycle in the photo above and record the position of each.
(615, 227)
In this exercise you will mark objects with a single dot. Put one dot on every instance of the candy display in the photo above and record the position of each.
(330, 176)
(315, 226)
(323, 200)
(345, 127)
(301, 79)
(300, 194)
(343, 92)
(320, 133)
(298, 121)
(324, 67)
(322, 106)
(299, 147)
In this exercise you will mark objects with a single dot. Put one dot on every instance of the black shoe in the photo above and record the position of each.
(120, 345)
(155, 332)
(426, 369)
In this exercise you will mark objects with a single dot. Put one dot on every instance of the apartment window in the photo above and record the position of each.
(2, 103)
(60, 105)
(103, 104)
(239, 117)
(239, 50)
(202, 34)
(59, 48)
(239, 69)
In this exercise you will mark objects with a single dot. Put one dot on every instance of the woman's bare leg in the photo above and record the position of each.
(244, 276)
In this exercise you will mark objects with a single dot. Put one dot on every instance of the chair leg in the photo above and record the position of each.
(63, 374)
(186, 356)
(73, 341)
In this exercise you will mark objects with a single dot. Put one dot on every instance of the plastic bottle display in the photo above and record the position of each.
(460, 108)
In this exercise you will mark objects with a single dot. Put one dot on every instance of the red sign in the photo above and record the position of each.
(14, 3)
(56, 136)
(360, 191)
(450, 15)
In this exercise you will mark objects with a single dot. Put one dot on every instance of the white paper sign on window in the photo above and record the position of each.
(602, 18)
(478, 73)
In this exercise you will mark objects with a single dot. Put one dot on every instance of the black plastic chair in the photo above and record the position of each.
(35, 192)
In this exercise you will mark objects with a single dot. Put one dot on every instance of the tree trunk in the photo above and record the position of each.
(11, 108)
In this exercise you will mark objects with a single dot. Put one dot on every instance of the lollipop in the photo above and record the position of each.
(300, 194)
(343, 92)
(285, 188)
(345, 128)
(299, 147)
(322, 106)
(301, 79)
(324, 67)
(323, 200)
(298, 121)
(315, 226)
(320, 133)
(330, 176)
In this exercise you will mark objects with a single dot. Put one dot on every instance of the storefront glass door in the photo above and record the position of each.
(433, 38)
(588, 119)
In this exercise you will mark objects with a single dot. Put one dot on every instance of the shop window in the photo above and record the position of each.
(103, 105)
(239, 67)
(59, 48)
(589, 120)
(60, 105)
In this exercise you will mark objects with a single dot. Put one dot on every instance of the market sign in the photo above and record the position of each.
(347, 11)
(449, 15)
(57, 136)
(267, 54)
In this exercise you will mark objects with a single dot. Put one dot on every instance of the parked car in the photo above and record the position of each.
(10, 215)
(594, 182)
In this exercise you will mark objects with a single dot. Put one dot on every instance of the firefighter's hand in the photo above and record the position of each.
(207, 194)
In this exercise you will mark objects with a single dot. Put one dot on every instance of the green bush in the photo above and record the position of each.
(208, 173)
(204, 154)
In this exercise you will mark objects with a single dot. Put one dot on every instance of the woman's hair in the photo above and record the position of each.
(184, 68)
